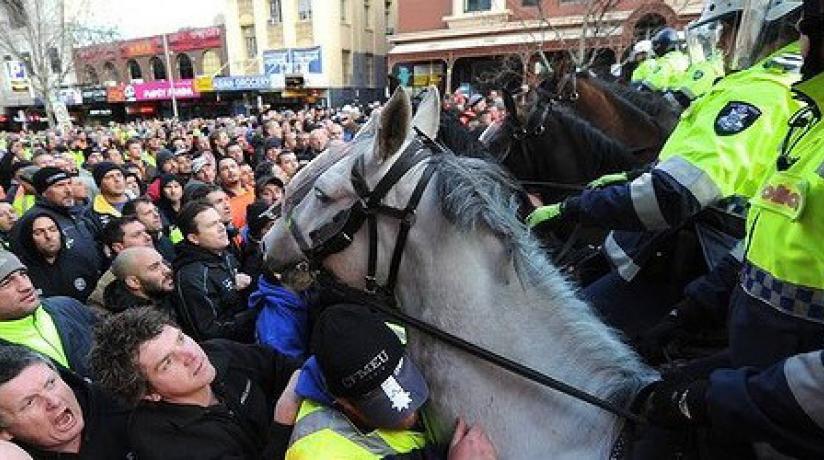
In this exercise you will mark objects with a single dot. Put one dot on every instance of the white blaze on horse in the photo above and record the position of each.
(471, 268)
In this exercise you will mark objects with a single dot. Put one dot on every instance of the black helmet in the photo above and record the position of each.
(665, 41)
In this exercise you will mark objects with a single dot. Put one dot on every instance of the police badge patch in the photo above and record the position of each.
(697, 75)
(735, 117)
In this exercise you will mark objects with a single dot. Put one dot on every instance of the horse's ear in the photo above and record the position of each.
(428, 117)
(394, 125)
(509, 104)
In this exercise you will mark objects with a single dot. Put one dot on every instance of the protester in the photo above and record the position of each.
(148, 214)
(210, 400)
(141, 278)
(8, 217)
(55, 413)
(58, 327)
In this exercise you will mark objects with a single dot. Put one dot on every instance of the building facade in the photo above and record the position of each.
(139, 76)
(478, 43)
(314, 51)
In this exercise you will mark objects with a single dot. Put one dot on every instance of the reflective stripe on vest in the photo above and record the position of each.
(322, 432)
(692, 178)
(804, 374)
(624, 265)
(645, 202)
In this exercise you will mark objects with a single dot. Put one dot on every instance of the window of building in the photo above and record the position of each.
(275, 15)
(387, 17)
(530, 2)
(54, 61)
(245, 7)
(367, 15)
(304, 10)
(249, 39)
(344, 11)
(90, 75)
(471, 6)
(370, 70)
(110, 72)
(185, 70)
(158, 68)
(135, 73)
(346, 67)
(211, 63)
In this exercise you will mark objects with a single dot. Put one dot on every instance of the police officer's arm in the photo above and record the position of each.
(782, 405)
(662, 198)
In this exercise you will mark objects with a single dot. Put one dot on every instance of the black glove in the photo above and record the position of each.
(687, 315)
(677, 404)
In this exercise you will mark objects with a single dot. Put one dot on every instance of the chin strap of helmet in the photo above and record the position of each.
(812, 26)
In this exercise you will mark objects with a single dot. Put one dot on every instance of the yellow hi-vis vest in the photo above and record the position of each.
(700, 77)
(784, 262)
(668, 71)
(645, 68)
(324, 433)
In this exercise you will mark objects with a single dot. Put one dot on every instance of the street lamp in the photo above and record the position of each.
(170, 75)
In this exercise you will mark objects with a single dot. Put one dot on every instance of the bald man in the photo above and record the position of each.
(142, 278)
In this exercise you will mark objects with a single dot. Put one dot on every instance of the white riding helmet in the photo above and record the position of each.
(643, 46)
(715, 10)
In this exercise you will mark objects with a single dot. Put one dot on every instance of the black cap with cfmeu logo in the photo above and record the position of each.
(363, 361)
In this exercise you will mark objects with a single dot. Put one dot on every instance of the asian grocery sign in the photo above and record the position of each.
(293, 60)
(244, 83)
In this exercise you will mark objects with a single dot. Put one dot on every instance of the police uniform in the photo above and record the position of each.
(782, 282)
(644, 70)
(700, 77)
(668, 70)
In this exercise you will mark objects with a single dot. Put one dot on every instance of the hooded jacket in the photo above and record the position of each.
(72, 274)
(208, 302)
(283, 322)
(79, 236)
(117, 298)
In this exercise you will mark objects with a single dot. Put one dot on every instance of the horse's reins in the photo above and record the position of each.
(381, 297)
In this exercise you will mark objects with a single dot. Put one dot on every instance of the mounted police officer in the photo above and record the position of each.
(777, 317)
(671, 62)
(644, 62)
(723, 146)
(706, 59)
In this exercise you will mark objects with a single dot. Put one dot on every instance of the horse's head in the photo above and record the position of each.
(324, 204)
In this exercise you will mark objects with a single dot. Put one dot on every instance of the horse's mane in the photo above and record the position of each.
(599, 141)
(477, 194)
(650, 103)
(453, 134)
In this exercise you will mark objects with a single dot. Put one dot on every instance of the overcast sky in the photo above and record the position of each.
(140, 18)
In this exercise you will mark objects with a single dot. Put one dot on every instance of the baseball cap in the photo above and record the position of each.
(9, 263)
(363, 361)
(198, 163)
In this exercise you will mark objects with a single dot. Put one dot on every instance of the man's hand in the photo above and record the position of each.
(288, 405)
(242, 281)
(544, 214)
(609, 179)
(470, 443)
(677, 404)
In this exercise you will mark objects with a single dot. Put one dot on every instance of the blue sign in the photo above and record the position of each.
(293, 60)
(243, 83)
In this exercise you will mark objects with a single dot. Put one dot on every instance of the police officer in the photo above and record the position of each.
(722, 147)
(671, 62)
(777, 315)
(706, 59)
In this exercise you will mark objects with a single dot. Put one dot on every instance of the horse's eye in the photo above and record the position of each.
(321, 196)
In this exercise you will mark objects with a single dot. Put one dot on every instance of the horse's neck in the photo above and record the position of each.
(468, 286)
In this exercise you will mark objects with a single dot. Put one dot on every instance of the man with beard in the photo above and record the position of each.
(42, 247)
(147, 213)
(142, 279)
(58, 327)
(54, 413)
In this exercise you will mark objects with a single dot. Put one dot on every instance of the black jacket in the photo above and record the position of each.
(74, 323)
(164, 246)
(78, 232)
(104, 433)
(72, 274)
(249, 380)
(208, 302)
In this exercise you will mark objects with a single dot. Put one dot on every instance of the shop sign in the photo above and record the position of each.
(293, 61)
(93, 94)
(243, 83)
(116, 93)
(100, 112)
(160, 91)
(203, 84)
(17, 76)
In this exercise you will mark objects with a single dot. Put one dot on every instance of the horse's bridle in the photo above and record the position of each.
(338, 234)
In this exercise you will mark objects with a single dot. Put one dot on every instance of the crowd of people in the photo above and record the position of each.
(137, 316)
